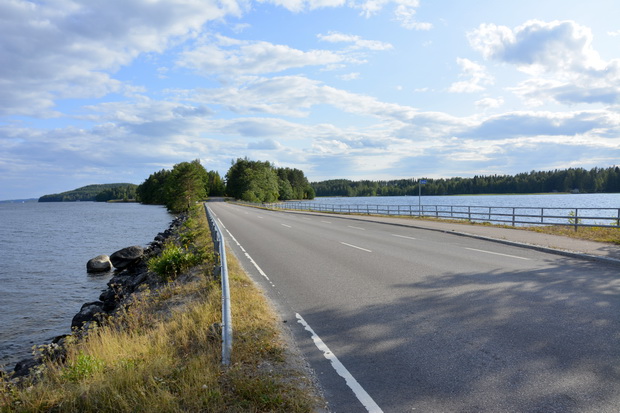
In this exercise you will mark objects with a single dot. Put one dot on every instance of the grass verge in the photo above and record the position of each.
(598, 234)
(163, 353)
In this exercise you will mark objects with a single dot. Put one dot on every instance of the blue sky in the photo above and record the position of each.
(112, 91)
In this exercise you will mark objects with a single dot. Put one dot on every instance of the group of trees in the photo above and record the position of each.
(178, 189)
(125, 193)
(99, 193)
(569, 180)
(257, 181)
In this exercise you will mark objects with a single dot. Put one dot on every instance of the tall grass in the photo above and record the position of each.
(163, 355)
(599, 234)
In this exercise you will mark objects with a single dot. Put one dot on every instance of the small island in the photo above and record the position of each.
(98, 193)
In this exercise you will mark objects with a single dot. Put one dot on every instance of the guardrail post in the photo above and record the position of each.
(576, 218)
(513, 217)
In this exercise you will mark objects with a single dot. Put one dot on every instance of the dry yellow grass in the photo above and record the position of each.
(599, 234)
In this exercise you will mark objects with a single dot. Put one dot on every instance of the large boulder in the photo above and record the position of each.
(88, 312)
(101, 263)
(127, 257)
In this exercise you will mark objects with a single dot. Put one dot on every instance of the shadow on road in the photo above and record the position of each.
(530, 341)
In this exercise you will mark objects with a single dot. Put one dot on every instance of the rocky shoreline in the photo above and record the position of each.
(130, 275)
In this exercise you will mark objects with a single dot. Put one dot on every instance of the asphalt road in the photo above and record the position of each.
(400, 319)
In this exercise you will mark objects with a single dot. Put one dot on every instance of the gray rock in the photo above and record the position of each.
(127, 257)
(88, 312)
(101, 263)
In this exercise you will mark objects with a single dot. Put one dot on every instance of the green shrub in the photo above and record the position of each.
(83, 366)
(172, 261)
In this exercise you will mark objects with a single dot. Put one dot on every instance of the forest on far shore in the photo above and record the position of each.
(596, 180)
(97, 193)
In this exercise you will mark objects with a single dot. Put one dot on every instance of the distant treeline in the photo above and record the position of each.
(99, 193)
(254, 181)
(569, 180)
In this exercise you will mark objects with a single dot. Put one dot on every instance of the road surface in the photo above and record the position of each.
(399, 319)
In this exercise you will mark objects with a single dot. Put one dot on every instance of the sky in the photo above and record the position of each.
(107, 91)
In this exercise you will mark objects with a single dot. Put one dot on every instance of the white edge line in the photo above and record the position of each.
(222, 224)
(355, 246)
(353, 384)
(497, 253)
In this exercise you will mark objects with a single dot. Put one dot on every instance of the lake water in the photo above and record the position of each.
(534, 201)
(558, 207)
(44, 248)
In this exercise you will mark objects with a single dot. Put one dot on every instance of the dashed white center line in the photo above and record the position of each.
(258, 216)
(361, 229)
(327, 222)
(497, 253)
(402, 236)
(261, 272)
(284, 225)
(355, 246)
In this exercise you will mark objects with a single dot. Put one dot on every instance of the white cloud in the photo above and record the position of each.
(476, 77)
(538, 124)
(356, 41)
(68, 49)
(252, 57)
(559, 57)
(144, 110)
(267, 144)
(489, 103)
(405, 14)
(614, 33)
(294, 96)
(350, 76)
(404, 11)
(558, 46)
(297, 6)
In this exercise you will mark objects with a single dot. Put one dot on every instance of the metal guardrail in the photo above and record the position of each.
(515, 216)
(222, 271)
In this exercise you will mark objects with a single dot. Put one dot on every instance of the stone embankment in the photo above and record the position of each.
(130, 275)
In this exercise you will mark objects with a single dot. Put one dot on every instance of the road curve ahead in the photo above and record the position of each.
(399, 319)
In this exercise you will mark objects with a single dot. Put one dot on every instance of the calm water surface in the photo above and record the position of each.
(534, 201)
(44, 248)
(528, 206)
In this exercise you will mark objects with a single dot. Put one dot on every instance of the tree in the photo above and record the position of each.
(215, 185)
(185, 186)
(298, 182)
(152, 190)
(252, 181)
(285, 190)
